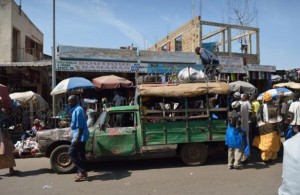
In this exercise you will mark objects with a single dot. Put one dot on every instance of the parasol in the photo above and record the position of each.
(72, 84)
(112, 82)
(274, 92)
(29, 97)
(291, 85)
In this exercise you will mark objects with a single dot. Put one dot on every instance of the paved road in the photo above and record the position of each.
(158, 177)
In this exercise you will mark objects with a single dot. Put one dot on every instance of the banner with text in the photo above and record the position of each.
(125, 67)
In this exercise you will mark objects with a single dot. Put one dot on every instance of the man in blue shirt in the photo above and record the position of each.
(80, 136)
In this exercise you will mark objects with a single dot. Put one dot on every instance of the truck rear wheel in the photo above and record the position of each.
(193, 154)
(60, 160)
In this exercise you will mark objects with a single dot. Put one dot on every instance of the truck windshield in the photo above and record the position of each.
(101, 118)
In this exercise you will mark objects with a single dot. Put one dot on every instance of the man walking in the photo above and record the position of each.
(80, 136)
(246, 111)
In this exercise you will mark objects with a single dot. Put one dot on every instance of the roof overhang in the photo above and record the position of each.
(26, 64)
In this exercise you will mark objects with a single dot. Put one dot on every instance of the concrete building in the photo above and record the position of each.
(21, 40)
(237, 48)
(193, 34)
(21, 52)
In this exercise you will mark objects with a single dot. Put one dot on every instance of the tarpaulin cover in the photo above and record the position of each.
(183, 90)
(242, 87)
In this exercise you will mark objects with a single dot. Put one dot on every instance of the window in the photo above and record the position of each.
(178, 43)
(124, 119)
(33, 47)
(164, 47)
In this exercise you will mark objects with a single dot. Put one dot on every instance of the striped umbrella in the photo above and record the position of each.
(275, 91)
(72, 84)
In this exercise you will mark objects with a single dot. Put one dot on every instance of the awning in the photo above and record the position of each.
(27, 64)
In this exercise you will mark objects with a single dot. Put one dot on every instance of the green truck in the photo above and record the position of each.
(185, 120)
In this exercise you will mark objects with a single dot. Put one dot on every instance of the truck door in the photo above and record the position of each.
(117, 136)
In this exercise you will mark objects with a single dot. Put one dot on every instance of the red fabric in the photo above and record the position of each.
(38, 128)
(5, 97)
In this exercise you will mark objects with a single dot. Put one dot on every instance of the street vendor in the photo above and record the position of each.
(37, 126)
(268, 140)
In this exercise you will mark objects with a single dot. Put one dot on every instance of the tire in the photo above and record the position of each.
(193, 154)
(60, 161)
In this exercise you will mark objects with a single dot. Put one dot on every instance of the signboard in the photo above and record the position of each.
(98, 66)
(261, 68)
(124, 67)
(232, 64)
(170, 68)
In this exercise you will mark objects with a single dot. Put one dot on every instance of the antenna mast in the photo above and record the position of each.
(200, 7)
(193, 9)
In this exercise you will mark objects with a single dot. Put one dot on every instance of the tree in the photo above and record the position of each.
(242, 12)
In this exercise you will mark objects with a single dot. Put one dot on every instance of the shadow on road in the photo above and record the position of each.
(106, 176)
(30, 173)
(114, 170)
(119, 166)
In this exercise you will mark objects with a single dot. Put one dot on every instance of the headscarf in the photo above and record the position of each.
(267, 97)
(235, 104)
(237, 95)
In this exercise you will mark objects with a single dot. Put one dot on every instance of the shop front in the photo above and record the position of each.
(260, 76)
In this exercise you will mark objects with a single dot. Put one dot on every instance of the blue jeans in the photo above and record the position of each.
(77, 155)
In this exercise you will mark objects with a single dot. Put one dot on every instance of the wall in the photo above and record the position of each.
(5, 31)
(12, 17)
(190, 37)
(21, 22)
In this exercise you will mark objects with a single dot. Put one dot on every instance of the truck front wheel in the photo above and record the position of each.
(60, 160)
(193, 154)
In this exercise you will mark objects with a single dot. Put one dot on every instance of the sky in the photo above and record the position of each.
(116, 23)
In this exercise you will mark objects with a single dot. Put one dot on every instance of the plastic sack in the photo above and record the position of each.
(233, 138)
(289, 133)
(92, 101)
(247, 146)
(191, 75)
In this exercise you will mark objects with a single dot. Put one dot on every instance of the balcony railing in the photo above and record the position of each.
(26, 55)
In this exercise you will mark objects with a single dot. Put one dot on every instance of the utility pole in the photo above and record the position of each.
(53, 62)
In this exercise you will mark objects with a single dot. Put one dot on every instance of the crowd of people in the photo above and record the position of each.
(251, 123)
(254, 124)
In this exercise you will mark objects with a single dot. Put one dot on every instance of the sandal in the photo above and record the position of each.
(78, 178)
(83, 175)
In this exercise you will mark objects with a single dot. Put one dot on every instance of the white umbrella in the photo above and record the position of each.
(30, 97)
